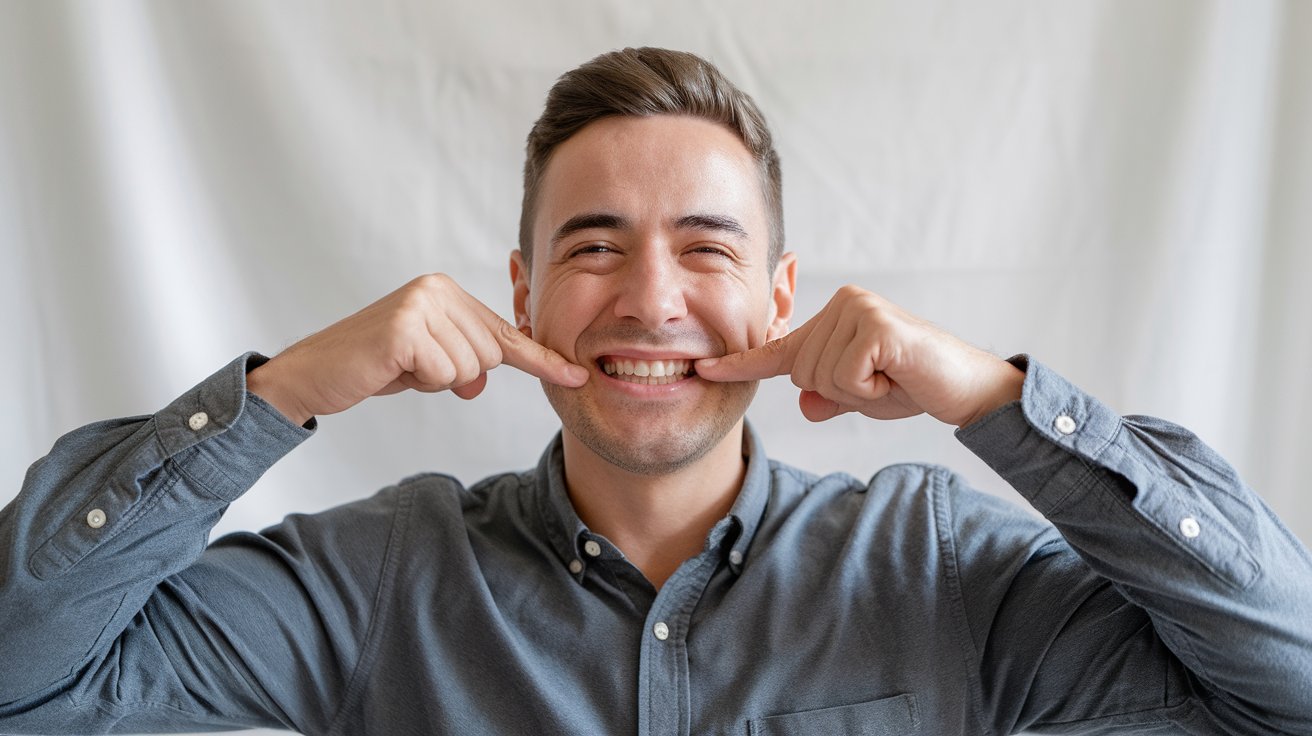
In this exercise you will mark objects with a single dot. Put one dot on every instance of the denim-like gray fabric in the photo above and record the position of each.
(909, 604)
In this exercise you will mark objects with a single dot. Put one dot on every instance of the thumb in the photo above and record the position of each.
(817, 408)
(471, 389)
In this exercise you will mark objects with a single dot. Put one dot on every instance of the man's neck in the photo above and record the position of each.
(658, 521)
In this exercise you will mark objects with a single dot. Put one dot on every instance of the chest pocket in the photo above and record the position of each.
(895, 716)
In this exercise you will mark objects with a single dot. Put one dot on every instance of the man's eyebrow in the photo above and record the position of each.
(723, 223)
(589, 221)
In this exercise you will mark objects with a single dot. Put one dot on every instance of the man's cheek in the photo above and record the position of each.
(742, 341)
(753, 336)
(556, 335)
(745, 326)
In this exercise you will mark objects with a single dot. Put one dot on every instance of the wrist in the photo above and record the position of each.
(262, 382)
(1003, 389)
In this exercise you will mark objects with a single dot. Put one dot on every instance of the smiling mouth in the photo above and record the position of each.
(647, 372)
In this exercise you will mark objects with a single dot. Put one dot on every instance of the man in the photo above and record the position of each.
(656, 572)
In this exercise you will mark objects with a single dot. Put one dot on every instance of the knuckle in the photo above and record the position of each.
(774, 348)
(433, 281)
(422, 386)
(506, 333)
(874, 310)
(825, 381)
(459, 359)
(463, 377)
(410, 381)
(423, 289)
(446, 374)
(849, 382)
(836, 392)
(490, 356)
(851, 390)
(413, 300)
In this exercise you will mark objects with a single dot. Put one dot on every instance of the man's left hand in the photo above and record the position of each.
(862, 353)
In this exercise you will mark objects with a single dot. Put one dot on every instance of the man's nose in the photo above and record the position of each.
(652, 291)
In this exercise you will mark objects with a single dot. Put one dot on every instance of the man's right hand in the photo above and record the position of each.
(429, 335)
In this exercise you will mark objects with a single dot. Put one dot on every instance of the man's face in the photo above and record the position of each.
(650, 248)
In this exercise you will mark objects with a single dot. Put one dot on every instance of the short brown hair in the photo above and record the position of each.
(639, 83)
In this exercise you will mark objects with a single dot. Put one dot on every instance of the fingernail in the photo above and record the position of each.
(707, 362)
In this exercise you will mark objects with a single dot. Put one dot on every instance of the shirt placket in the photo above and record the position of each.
(665, 708)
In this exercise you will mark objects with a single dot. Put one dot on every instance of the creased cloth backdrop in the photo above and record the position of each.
(1118, 188)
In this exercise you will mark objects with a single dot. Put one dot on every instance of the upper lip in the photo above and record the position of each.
(641, 354)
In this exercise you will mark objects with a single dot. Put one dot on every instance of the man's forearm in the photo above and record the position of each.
(1159, 514)
(114, 508)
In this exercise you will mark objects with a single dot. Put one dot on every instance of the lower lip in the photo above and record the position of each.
(648, 391)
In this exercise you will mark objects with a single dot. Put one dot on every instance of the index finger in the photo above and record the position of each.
(775, 358)
(534, 358)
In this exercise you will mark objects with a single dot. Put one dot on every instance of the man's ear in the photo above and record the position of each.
(519, 279)
(783, 287)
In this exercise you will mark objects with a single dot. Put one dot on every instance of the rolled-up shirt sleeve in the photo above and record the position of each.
(1169, 525)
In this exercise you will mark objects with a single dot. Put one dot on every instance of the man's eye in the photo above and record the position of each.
(595, 248)
(710, 249)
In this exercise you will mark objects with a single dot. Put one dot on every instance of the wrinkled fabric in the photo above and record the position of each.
(819, 605)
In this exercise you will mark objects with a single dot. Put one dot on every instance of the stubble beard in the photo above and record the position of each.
(640, 451)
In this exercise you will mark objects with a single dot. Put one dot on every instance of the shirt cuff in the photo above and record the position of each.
(224, 437)
(1113, 484)
(1030, 441)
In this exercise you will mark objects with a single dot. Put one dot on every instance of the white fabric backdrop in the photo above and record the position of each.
(1114, 187)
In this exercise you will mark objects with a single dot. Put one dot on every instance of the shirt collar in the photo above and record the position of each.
(567, 533)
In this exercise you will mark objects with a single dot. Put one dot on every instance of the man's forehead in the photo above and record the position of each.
(662, 135)
(659, 167)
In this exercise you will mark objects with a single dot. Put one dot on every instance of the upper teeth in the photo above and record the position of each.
(653, 368)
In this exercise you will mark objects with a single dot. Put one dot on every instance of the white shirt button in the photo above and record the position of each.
(198, 420)
(575, 567)
(661, 631)
(1064, 424)
(592, 548)
(96, 518)
(735, 557)
(1189, 527)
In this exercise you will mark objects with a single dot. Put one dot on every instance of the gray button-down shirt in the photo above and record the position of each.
(1163, 596)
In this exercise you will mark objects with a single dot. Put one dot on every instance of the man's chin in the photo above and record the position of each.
(651, 447)
(648, 457)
